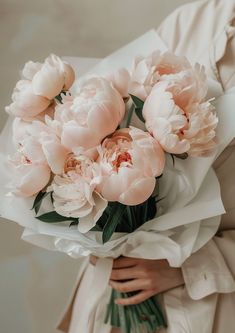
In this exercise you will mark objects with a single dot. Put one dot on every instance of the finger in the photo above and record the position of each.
(133, 285)
(136, 299)
(124, 262)
(126, 273)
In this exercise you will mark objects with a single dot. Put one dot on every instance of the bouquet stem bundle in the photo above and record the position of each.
(145, 317)
(79, 151)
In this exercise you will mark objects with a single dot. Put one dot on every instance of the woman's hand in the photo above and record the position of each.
(148, 277)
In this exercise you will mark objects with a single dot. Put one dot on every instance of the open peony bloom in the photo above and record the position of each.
(54, 154)
(31, 171)
(95, 112)
(51, 77)
(25, 103)
(74, 192)
(33, 95)
(154, 68)
(39, 152)
(179, 120)
(130, 160)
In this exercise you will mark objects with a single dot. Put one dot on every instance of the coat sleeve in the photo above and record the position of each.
(212, 268)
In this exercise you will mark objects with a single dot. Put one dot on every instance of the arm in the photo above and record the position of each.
(212, 268)
(206, 271)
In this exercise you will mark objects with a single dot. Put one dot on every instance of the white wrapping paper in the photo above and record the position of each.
(189, 214)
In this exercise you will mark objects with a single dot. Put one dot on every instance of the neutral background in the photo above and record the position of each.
(34, 283)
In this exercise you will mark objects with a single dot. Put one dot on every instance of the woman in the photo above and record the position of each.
(199, 296)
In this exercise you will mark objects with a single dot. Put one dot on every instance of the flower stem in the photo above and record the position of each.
(143, 317)
(129, 115)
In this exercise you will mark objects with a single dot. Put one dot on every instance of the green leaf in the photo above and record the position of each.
(129, 221)
(51, 195)
(138, 112)
(181, 156)
(137, 101)
(113, 220)
(102, 220)
(138, 107)
(145, 218)
(152, 208)
(131, 212)
(58, 98)
(96, 228)
(38, 200)
(74, 223)
(54, 217)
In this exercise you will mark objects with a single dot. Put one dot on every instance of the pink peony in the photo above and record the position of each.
(51, 77)
(31, 171)
(75, 195)
(130, 160)
(95, 112)
(54, 154)
(150, 70)
(25, 103)
(179, 121)
(32, 96)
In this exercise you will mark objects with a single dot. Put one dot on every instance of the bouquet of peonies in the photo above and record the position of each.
(109, 164)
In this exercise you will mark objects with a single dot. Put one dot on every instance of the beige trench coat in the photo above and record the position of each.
(204, 31)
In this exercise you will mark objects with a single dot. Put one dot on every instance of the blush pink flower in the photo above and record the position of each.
(51, 77)
(180, 123)
(25, 103)
(54, 154)
(130, 160)
(31, 172)
(32, 96)
(75, 195)
(149, 70)
(95, 112)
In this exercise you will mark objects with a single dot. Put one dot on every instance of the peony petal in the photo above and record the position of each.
(172, 144)
(30, 179)
(86, 223)
(32, 149)
(30, 69)
(120, 81)
(27, 104)
(55, 154)
(117, 183)
(138, 192)
(74, 136)
(48, 82)
(69, 76)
